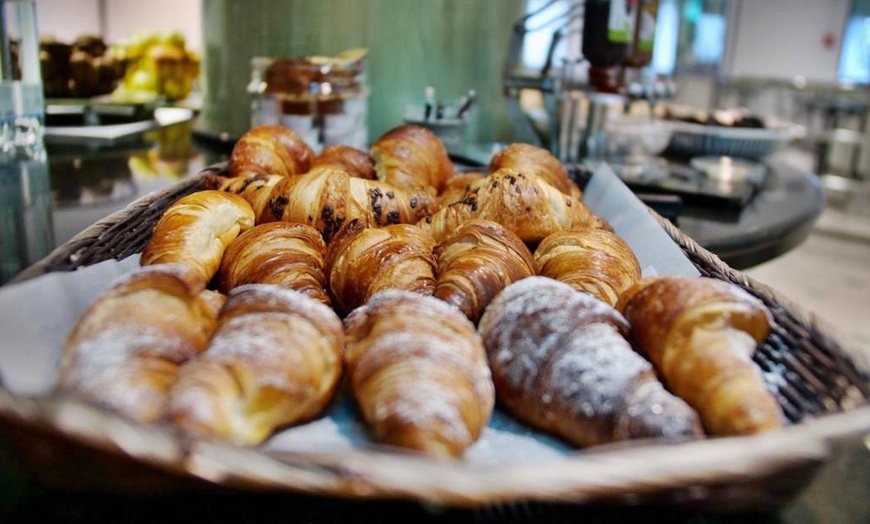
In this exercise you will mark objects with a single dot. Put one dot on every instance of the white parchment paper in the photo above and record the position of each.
(37, 315)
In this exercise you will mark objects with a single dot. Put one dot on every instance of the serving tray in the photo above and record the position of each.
(822, 393)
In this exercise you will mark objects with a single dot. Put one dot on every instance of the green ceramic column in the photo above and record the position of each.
(453, 45)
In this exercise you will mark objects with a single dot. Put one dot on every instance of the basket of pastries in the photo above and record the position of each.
(372, 324)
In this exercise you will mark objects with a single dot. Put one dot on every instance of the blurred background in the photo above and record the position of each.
(744, 122)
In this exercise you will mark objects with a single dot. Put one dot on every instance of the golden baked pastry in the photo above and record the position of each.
(561, 363)
(418, 371)
(700, 333)
(196, 229)
(274, 360)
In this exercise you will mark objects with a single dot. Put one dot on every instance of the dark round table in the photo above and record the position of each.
(776, 219)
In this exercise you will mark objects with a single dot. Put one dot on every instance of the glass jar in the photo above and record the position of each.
(641, 50)
(608, 29)
(325, 102)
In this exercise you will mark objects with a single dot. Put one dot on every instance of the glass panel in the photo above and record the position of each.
(855, 54)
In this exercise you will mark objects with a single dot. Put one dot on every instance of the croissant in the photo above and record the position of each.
(700, 334)
(533, 160)
(363, 261)
(328, 198)
(478, 261)
(274, 360)
(196, 229)
(412, 157)
(418, 372)
(256, 189)
(560, 362)
(596, 261)
(526, 205)
(124, 351)
(291, 256)
(270, 150)
(458, 186)
(346, 158)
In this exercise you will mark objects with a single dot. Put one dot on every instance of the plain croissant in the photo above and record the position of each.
(413, 158)
(593, 260)
(274, 360)
(328, 198)
(525, 204)
(292, 256)
(270, 150)
(480, 259)
(355, 162)
(561, 363)
(195, 231)
(365, 260)
(125, 350)
(418, 372)
(700, 334)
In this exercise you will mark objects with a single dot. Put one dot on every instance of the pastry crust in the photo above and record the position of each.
(291, 256)
(274, 360)
(593, 260)
(364, 260)
(255, 189)
(478, 261)
(125, 350)
(561, 363)
(418, 371)
(700, 334)
(458, 186)
(270, 150)
(412, 157)
(196, 230)
(327, 198)
(536, 161)
(349, 159)
(525, 204)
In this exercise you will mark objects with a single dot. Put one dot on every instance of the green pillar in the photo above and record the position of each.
(453, 45)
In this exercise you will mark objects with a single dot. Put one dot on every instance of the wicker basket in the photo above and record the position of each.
(72, 445)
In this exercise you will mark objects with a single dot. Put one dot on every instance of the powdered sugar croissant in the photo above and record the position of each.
(274, 360)
(418, 371)
(125, 350)
(560, 362)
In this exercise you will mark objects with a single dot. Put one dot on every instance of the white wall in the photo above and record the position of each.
(125, 17)
(784, 38)
(67, 19)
